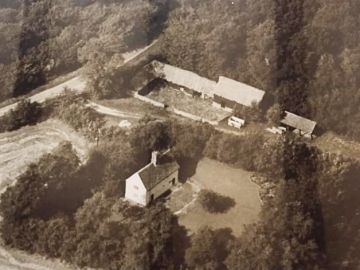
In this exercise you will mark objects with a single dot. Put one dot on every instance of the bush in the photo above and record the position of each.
(274, 115)
(25, 113)
(71, 109)
(214, 202)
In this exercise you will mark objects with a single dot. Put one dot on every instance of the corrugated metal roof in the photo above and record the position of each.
(184, 78)
(305, 125)
(239, 92)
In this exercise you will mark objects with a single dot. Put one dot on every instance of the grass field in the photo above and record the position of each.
(333, 143)
(20, 148)
(228, 181)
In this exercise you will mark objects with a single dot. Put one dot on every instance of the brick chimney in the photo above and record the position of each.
(154, 157)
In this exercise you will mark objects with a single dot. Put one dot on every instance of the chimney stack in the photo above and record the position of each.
(154, 157)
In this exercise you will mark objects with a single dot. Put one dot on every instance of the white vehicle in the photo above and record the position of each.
(277, 130)
(236, 122)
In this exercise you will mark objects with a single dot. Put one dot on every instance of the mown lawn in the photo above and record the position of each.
(231, 182)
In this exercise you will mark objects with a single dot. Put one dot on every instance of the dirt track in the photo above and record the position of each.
(76, 84)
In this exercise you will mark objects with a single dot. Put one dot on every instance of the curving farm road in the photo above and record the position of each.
(76, 84)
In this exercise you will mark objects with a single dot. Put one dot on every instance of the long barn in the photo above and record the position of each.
(229, 92)
(192, 82)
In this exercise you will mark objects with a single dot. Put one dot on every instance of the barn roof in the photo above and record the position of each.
(305, 125)
(239, 92)
(184, 78)
(152, 175)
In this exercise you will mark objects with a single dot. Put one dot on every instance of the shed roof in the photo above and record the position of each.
(239, 92)
(152, 175)
(305, 125)
(184, 78)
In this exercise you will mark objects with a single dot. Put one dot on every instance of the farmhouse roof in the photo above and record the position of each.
(152, 174)
(305, 125)
(239, 92)
(184, 78)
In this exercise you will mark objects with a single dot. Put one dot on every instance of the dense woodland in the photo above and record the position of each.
(306, 53)
(41, 39)
(301, 227)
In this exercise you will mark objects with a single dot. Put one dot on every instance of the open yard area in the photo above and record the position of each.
(333, 143)
(128, 109)
(175, 98)
(223, 179)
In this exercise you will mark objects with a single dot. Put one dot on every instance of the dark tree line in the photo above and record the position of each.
(312, 190)
(61, 209)
(41, 38)
(305, 53)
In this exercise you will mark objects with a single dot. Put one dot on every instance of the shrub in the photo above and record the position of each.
(214, 202)
(25, 113)
(273, 115)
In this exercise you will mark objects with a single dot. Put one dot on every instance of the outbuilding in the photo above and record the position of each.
(298, 124)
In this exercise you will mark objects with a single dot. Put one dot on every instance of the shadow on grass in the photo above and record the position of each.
(214, 202)
(187, 168)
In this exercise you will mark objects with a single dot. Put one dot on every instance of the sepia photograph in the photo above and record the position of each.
(179, 134)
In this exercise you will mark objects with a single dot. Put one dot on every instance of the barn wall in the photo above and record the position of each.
(219, 101)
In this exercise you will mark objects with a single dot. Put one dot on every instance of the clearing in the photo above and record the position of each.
(333, 143)
(129, 110)
(22, 147)
(219, 177)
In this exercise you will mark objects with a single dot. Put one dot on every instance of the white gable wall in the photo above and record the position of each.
(135, 190)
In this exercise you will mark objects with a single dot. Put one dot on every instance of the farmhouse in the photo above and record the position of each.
(228, 93)
(150, 182)
(190, 81)
(298, 124)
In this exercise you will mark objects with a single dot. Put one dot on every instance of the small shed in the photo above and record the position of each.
(298, 124)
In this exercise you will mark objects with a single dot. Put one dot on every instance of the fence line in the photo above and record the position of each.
(149, 100)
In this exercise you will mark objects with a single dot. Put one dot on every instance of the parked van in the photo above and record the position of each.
(236, 122)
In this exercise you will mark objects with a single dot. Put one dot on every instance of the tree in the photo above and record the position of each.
(202, 253)
(274, 115)
(25, 113)
(214, 202)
